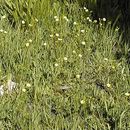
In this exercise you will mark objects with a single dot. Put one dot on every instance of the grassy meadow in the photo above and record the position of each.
(60, 69)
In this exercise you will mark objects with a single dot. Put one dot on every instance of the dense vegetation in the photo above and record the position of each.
(60, 69)
(115, 10)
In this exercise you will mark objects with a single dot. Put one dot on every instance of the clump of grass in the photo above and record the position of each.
(65, 73)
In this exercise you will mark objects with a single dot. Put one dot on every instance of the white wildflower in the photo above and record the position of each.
(57, 20)
(30, 25)
(59, 39)
(104, 19)
(127, 94)
(3, 17)
(74, 51)
(1, 30)
(100, 24)
(95, 21)
(80, 55)
(117, 29)
(55, 17)
(51, 35)
(105, 59)
(75, 23)
(66, 18)
(5, 32)
(27, 44)
(45, 44)
(24, 90)
(23, 22)
(88, 18)
(82, 102)
(30, 40)
(85, 8)
(82, 31)
(83, 43)
(77, 76)
(108, 85)
(65, 58)
(56, 65)
(28, 85)
(57, 35)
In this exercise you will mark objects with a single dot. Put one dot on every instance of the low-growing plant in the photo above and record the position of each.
(63, 74)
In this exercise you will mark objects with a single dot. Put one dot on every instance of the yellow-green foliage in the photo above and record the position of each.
(61, 73)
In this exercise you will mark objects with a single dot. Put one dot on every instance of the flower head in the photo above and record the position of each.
(83, 43)
(88, 18)
(28, 85)
(51, 35)
(82, 102)
(27, 44)
(24, 90)
(74, 52)
(108, 85)
(105, 59)
(55, 17)
(77, 76)
(104, 19)
(59, 39)
(127, 94)
(57, 35)
(86, 10)
(3, 17)
(1, 30)
(23, 22)
(65, 58)
(57, 20)
(66, 18)
(30, 25)
(30, 40)
(56, 64)
(95, 21)
(45, 44)
(82, 31)
(5, 32)
(75, 23)
(80, 55)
